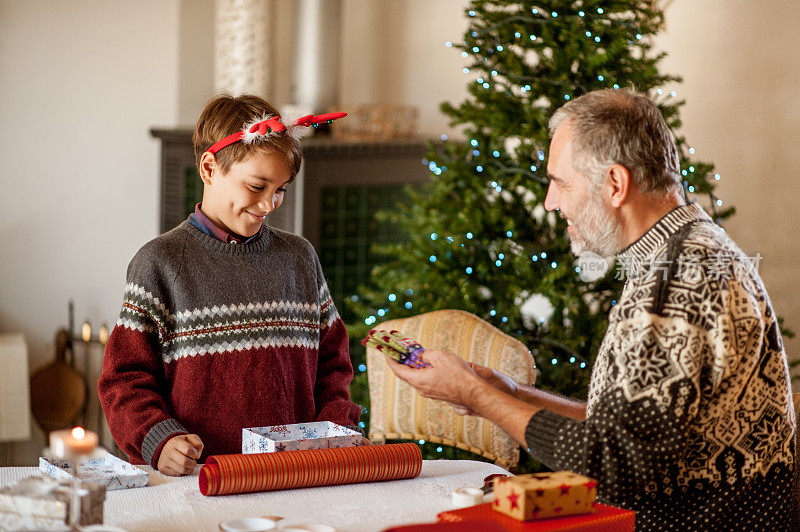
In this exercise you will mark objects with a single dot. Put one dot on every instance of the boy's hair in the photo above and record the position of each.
(224, 115)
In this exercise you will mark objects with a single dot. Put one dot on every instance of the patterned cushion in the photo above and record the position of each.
(796, 401)
(796, 487)
(398, 412)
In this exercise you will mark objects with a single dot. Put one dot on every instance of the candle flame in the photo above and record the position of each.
(78, 433)
(86, 332)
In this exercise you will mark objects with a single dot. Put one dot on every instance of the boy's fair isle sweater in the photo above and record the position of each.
(214, 337)
(689, 419)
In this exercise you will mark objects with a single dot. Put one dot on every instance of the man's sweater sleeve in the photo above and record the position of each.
(639, 424)
(334, 369)
(131, 386)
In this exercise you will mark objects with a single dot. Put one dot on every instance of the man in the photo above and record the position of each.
(689, 419)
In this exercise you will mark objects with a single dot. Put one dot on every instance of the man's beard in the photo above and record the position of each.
(597, 229)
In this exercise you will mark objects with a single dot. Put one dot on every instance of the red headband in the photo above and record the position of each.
(265, 127)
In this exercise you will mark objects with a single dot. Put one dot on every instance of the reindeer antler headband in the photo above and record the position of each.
(267, 126)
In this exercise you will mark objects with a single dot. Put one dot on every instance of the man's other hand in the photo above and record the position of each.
(497, 379)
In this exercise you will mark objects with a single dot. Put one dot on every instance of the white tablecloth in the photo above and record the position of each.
(175, 503)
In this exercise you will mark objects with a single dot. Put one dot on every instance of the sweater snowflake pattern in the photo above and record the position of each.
(689, 418)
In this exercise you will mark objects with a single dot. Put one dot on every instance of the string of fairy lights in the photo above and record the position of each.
(489, 160)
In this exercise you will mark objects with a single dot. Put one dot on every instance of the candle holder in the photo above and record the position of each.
(89, 336)
(73, 446)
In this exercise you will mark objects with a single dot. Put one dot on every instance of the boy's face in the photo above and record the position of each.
(240, 200)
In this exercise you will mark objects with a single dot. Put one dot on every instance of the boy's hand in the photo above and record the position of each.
(180, 454)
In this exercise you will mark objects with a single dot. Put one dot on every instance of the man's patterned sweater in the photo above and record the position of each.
(689, 419)
(214, 337)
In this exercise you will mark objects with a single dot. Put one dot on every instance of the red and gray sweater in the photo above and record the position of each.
(214, 337)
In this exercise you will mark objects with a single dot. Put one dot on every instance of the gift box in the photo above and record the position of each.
(466, 526)
(107, 470)
(37, 503)
(300, 436)
(540, 495)
(605, 519)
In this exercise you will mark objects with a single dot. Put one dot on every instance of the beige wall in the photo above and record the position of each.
(83, 81)
(741, 67)
(196, 58)
(394, 52)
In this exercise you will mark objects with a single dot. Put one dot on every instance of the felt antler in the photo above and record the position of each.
(263, 127)
(315, 120)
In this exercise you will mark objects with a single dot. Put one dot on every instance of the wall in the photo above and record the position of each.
(394, 52)
(196, 58)
(82, 83)
(741, 73)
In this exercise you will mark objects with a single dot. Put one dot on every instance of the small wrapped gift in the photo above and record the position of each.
(36, 503)
(541, 495)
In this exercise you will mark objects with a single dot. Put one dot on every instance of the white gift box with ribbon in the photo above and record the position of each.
(36, 503)
(299, 436)
(105, 469)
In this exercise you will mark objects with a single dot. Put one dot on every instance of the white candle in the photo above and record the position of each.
(71, 443)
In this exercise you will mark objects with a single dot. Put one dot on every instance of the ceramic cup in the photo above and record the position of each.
(247, 524)
(307, 527)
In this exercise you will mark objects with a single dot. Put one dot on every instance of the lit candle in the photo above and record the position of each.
(86, 332)
(72, 443)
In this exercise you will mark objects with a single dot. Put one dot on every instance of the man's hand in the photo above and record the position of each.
(449, 378)
(180, 454)
(497, 379)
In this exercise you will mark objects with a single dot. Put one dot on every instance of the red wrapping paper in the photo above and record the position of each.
(606, 519)
(243, 473)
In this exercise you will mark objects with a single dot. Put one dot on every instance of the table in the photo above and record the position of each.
(175, 503)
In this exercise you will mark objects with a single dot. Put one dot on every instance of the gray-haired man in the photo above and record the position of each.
(689, 419)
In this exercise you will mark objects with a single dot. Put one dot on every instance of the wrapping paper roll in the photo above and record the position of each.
(243, 473)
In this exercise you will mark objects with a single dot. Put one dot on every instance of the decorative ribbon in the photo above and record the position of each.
(243, 473)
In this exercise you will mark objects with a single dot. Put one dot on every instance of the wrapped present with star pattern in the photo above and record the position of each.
(541, 495)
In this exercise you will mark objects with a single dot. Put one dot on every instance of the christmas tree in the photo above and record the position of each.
(478, 236)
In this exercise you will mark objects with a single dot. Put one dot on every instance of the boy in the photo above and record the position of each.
(226, 323)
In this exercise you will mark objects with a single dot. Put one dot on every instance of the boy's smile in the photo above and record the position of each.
(240, 200)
